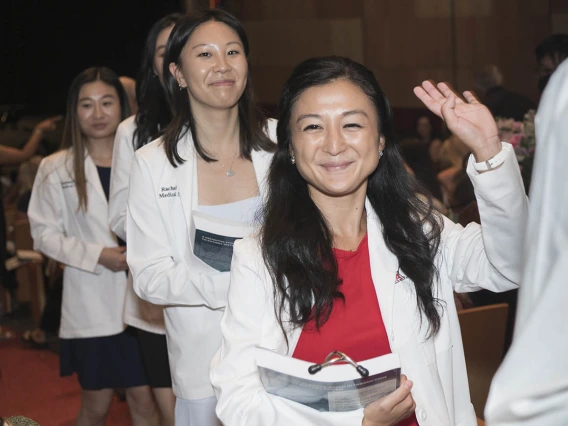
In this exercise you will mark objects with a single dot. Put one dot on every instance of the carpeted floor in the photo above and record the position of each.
(30, 386)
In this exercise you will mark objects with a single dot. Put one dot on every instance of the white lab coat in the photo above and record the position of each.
(531, 386)
(93, 296)
(435, 365)
(137, 312)
(161, 202)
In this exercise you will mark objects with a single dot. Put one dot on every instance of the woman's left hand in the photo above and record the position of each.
(469, 120)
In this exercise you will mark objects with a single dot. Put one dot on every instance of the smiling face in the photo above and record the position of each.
(159, 51)
(335, 139)
(213, 67)
(98, 110)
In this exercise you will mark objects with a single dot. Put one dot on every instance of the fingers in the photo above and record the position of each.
(433, 91)
(448, 111)
(399, 395)
(470, 97)
(428, 100)
(121, 249)
(447, 91)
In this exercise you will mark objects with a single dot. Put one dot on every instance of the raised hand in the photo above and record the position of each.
(468, 119)
(49, 124)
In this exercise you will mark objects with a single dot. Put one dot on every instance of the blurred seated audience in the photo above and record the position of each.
(416, 157)
(500, 101)
(425, 132)
(549, 55)
(9, 155)
(451, 158)
(25, 182)
(12, 156)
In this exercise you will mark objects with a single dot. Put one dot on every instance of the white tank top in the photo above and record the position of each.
(243, 211)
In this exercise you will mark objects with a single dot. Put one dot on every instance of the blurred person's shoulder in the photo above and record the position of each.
(127, 126)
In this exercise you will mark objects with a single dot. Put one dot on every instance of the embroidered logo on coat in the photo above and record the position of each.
(399, 277)
(168, 191)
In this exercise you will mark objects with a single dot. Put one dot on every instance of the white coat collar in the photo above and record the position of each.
(92, 177)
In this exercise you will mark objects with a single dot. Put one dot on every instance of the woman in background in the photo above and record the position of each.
(425, 132)
(209, 163)
(68, 214)
(151, 119)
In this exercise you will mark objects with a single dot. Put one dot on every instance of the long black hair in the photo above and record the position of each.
(154, 112)
(252, 122)
(295, 238)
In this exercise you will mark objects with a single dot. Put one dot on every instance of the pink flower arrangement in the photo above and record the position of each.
(516, 139)
(521, 136)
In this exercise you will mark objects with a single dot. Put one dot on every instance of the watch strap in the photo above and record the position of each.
(491, 163)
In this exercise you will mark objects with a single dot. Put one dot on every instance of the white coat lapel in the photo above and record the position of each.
(93, 179)
(384, 266)
(186, 177)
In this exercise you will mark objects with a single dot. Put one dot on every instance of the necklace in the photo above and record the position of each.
(231, 172)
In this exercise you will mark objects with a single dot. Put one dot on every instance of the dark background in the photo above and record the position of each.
(45, 44)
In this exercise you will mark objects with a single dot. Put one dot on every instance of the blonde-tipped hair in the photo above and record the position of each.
(73, 139)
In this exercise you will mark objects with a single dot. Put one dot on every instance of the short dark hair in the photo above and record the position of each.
(296, 241)
(251, 119)
(554, 46)
(153, 112)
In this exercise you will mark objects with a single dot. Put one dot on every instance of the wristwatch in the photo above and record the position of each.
(492, 163)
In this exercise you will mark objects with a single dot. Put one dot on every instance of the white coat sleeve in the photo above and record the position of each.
(158, 278)
(489, 256)
(46, 216)
(122, 156)
(241, 397)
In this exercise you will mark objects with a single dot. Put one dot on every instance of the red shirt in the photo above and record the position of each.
(355, 326)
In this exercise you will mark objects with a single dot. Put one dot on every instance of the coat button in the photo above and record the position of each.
(422, 414)
(392, 336)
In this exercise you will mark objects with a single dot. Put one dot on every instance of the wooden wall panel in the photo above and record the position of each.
(278, 45)
(402, 41)
(559, 6)
(407, 42)
(559, 23)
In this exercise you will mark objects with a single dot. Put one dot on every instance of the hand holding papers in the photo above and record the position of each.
(335, 388)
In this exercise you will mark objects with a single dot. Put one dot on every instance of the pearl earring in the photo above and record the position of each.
(380, 153)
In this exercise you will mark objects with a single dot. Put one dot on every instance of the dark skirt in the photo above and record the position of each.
(156, 361)
(104, 362)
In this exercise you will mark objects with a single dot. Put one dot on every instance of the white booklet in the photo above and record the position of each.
(213, 239)
(337, 387)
